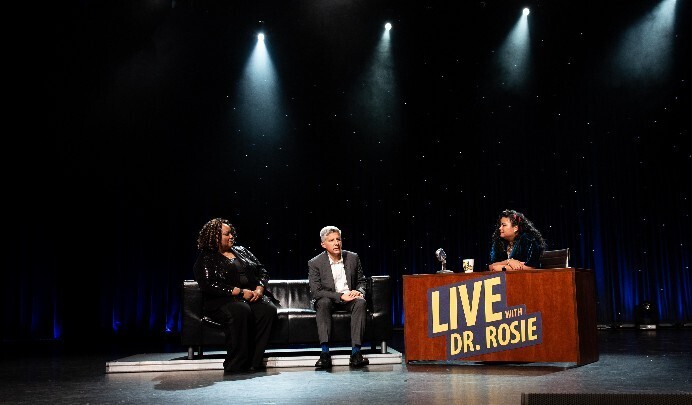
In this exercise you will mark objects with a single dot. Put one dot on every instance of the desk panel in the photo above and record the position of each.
(565, 299)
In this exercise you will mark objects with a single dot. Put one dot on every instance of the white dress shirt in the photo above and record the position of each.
(339, 274)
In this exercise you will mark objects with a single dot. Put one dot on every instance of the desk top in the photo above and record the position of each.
(487, 273)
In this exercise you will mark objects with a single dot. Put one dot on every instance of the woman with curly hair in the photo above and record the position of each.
(516, 243)
(233, 283)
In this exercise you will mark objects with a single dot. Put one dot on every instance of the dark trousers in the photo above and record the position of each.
(326, 306)
(247, 326)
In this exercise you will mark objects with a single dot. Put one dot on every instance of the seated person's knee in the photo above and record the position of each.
(360, 304)
(323, 302)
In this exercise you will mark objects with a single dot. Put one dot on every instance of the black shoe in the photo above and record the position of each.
(357, 360)
(256, 369)
(325, 361)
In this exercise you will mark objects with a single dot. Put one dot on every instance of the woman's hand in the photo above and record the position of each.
(508, 265)
(514, 264)
(257, 294)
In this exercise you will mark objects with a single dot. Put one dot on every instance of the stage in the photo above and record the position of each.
(631, 362)
(275, 358)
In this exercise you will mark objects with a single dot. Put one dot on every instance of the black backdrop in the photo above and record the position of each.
(133, 131)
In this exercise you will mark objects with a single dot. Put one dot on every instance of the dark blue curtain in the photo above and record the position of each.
(142, 141)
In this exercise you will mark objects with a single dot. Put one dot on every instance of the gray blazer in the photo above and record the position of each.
(321, 279)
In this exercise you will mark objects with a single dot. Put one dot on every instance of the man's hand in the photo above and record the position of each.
(351, 295)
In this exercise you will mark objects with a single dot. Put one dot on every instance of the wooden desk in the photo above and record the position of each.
(563, 299)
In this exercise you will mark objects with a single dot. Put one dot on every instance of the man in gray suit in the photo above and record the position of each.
(337, 282)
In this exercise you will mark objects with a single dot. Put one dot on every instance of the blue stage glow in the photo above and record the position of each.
(171, 316)
(602, 293)
(115, 323)
(57, 324)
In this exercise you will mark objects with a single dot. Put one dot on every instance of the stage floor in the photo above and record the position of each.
(631, 362)
(275, 358)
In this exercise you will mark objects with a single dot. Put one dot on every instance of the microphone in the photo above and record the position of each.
(442, 257)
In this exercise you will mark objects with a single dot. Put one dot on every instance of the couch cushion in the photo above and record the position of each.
(294, 294)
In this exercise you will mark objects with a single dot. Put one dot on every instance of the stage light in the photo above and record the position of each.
(377, 100)
(258, 100)
(526, 11)
(647, 49)
(513, 55)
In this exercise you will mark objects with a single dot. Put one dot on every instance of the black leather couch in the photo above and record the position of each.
(296, 324)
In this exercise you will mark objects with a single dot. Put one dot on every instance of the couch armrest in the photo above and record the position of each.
(191, 314)
(380, 294)
(379, 329)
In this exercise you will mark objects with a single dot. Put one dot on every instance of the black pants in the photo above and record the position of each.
(247, 326)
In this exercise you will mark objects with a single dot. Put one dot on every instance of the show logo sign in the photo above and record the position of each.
(476, 320)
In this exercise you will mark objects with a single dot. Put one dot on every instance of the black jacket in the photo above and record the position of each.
(217, 278)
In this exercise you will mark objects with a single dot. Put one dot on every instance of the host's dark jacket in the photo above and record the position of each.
(526, 249)
(321, 279)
